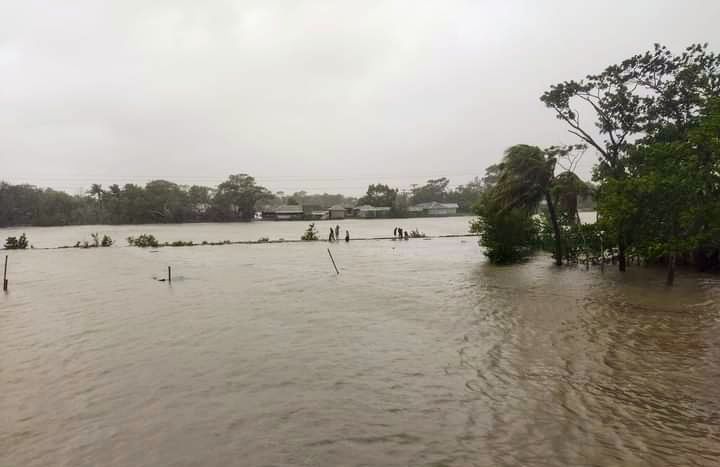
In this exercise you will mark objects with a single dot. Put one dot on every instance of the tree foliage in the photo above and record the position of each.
(507, 235)
(434, 190)
(379, 195)
(16, 243)
(650, 97)
(159, 201)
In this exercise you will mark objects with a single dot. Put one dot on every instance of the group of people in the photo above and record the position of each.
(400, 233)
(335, 234)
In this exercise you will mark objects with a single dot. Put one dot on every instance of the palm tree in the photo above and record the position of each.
(96, 190)
(526, 178)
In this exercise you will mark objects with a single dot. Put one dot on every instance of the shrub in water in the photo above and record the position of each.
(144, 241)
(14, 243)
(310, 234)
(106, 241)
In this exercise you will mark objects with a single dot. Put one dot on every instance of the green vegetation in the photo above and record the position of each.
(657, 181)
(159, 201)
(180, 243)
(236, 199)
(310, 234)
(379, 195)
(15, 243)
(433, 190)
(96, 242)
(143, 241)
(508, 235)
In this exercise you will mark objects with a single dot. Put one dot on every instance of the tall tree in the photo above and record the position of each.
(647, 94)
(526, 179)
(434, 190)
(671, 196)
(237, 196)
(379, 195)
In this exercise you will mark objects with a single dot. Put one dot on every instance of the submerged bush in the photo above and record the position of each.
(143, 241)
(263, 240)
(310, 234)
(508, 235)
(106, 241)
(181, 243)
(15, 243)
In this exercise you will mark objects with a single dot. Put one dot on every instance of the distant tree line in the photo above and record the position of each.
(159, 201)
(235, 199)
(654, 121)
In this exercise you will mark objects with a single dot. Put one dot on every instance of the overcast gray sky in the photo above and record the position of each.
(321, 95)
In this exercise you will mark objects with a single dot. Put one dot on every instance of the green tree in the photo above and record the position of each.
(671, 197)
(646, 96)
(466, 196)
(236, 197)
(434, 190)
(379, 195)
(526, 179)
(508, 235)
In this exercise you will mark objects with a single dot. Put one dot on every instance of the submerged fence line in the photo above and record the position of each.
(260, 242)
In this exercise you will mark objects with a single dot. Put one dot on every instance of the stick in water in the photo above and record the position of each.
(169, 274)
(333, 261)
(5, 282)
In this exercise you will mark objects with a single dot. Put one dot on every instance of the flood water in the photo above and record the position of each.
(418, 353)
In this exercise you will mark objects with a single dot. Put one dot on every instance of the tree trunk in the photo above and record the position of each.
(621, 253)
(671, 269)
(556, 229)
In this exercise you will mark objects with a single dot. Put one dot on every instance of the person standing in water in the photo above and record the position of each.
(406, 235)
(400, 233)
(395, 232)
(337, 232)
(331, 238)
(347, 236)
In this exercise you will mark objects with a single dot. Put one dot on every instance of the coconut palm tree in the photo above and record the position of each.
(96, 190)
(527, 174)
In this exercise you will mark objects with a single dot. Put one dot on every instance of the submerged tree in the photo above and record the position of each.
(16, 243)
(310, 233)
(671, 196)
(508, 235)
(650, 95)
(526, 178)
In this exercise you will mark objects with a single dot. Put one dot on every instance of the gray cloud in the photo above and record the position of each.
(321, 95)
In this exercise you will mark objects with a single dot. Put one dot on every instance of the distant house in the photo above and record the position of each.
(337, 212)
(368, 211)
(434, 208)
(310, 209)
(283, 213)
(317, 215)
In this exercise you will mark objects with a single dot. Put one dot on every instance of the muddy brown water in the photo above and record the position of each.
(418, 354)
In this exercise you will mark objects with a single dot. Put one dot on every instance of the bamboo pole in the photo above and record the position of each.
(5, 281)
(333, 261)
(169, 274)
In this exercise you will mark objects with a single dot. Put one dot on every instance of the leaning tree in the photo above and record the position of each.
(649, 96)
